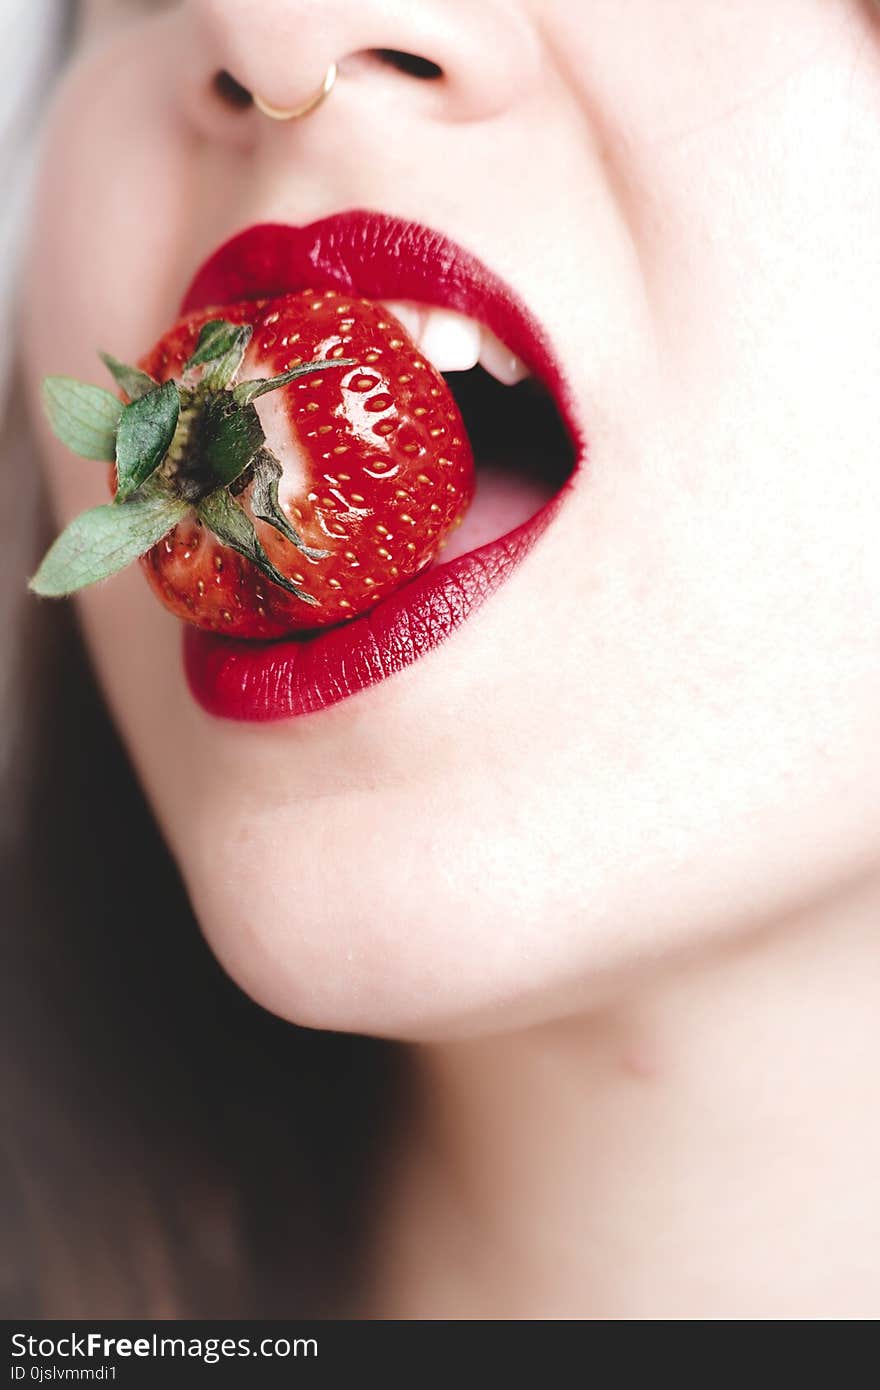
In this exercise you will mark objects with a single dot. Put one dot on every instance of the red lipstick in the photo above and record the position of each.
(376, 257)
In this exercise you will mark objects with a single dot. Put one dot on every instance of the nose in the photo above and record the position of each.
(477, 57)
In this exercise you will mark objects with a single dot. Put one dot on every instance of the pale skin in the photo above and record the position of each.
(610, 857)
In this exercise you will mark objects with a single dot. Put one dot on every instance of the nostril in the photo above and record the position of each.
(410, 63)
(238, 98)
(231, 92)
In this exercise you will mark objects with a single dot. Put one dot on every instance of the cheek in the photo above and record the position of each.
(110, 217)
(103, 270)
(105, 263)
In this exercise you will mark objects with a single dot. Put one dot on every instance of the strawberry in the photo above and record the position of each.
(344, 485)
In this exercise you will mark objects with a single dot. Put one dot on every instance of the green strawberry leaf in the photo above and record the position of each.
(146, 430)
(265, 505)
(131, 380)
(216, 337)
(233, 527)
(104, 540)
(220, 350)
(85, 418)
(230, 437)
(247, 391)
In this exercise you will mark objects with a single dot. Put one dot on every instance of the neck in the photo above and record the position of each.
(707, 1148)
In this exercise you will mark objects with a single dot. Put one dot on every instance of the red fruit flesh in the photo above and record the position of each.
(378, 469)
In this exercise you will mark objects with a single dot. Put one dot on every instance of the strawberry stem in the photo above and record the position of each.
(176, 446)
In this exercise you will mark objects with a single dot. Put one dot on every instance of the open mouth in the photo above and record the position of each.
(522, 449)
(514, 401)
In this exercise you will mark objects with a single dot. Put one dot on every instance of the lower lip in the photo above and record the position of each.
(257, 682)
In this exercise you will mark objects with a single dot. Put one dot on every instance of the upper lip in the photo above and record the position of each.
(378, 256)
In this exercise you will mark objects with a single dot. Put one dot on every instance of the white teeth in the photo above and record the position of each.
(411, 315)
(450, 341)
(499, 361)
(454, 343)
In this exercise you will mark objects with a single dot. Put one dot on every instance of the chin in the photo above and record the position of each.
(396, 955)
(320, 963)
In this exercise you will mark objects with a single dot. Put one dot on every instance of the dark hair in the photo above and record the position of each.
(167, 1147)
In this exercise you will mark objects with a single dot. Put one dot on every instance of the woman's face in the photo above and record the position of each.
(665, 727)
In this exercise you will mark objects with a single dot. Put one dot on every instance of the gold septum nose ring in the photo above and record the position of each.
(277, 113)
